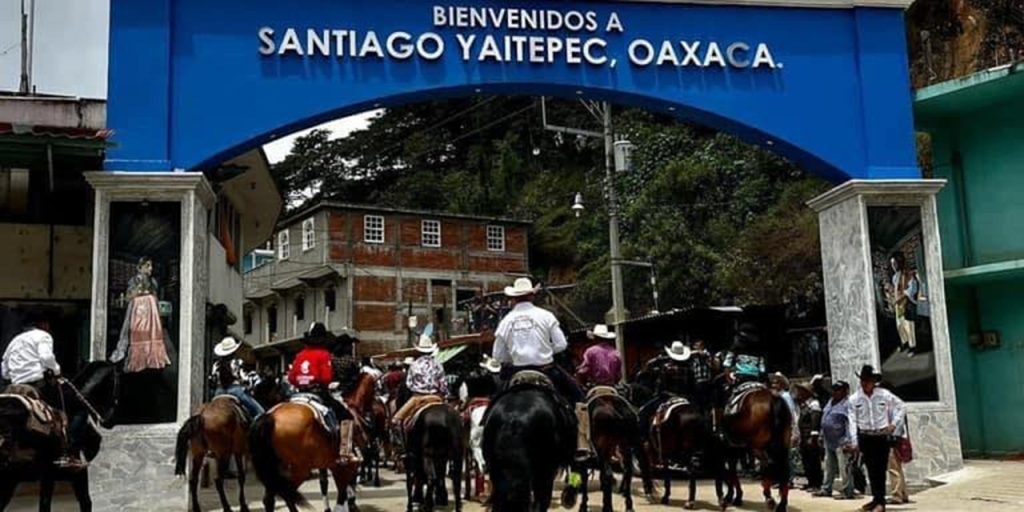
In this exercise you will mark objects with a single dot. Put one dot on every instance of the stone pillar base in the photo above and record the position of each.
(863, 322)
(135, 471)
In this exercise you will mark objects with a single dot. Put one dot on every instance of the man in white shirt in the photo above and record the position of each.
(528, 339)
(876, 415)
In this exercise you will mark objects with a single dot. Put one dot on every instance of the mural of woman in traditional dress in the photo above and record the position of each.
(142, 344)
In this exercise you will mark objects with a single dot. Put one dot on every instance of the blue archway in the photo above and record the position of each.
(194, 82)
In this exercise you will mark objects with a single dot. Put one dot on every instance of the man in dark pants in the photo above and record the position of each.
(877, 414)
(809, 425)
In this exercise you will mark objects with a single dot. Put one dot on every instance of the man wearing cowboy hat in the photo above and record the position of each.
(602, 364)
(425, 379)
(228, 376)
(877, 415)
(743, 362)
(671, 376)
(312, 372)
(528, 339)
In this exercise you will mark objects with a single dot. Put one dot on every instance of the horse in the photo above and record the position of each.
(615, 430)
(434, 440)
(529, 436)
(220, 429)
(288, 443)
(678, 432)
(473, 426)
(25, 456)
(378, 438)
(761, 422)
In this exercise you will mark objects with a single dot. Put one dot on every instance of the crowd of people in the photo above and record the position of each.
(836, 429)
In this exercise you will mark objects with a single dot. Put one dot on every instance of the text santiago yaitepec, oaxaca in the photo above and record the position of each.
(574, 37)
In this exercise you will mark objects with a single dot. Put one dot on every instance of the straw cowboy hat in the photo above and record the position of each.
(678, 351)
(426, 345)
(601, 331)
(226, 347)
(521, 287)
(490, 364)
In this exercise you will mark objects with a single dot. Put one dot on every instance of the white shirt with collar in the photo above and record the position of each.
(28, 356)
(876, 412)
(528, 336)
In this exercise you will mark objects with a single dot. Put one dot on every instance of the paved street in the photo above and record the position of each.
(983, 485)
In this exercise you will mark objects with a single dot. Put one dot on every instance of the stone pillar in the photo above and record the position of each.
(134, 469)
(850, 301)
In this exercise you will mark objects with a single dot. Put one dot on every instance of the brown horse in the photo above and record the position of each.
(678, 432)
(288, 443)
(219, 429)
(615, 431)
(378, 438)
(762, 423)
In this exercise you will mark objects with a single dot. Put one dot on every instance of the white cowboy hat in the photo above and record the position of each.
(226, 347)
(490, 364)
(408, 361)
(678, 351)
(522, 286)
(426, 345)
(601, 331)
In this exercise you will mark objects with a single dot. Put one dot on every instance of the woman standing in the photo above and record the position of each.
(142, 344)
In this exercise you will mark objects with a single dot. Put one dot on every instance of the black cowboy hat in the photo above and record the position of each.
(840, 384)
(868, 372)
(317, 334)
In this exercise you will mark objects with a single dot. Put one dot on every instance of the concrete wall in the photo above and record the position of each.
(25, 262)
(225, 282)
(985, 229)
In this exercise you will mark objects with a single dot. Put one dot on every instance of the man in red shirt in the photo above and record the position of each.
(311, 372)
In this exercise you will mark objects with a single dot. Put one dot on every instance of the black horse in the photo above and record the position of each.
(529, 436)
(436, 439)
(25, 456)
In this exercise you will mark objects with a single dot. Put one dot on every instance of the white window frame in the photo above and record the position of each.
(433, 232)
(284, 250)
(376, 230)
(308, 234)
(495, 238)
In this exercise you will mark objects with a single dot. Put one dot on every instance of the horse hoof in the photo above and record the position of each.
(738, 502)
(770, 503)
(664, 500)
(689, 505)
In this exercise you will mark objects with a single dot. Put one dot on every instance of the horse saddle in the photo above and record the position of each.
(531, 377)
(427, 403)
(472, 405)
(237, 404)
(739, 394)
(323, 414)
(666, 409)
(599, 391)
(42, 419)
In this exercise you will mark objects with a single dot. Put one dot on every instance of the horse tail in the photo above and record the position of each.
(266, 463)
(778, 447)
(192, 427)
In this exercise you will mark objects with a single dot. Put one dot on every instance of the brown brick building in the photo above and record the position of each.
(367, 268)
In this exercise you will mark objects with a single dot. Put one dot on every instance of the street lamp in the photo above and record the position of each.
(577, 204)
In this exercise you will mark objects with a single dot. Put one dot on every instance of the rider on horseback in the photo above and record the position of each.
(425, 379)
(228, 377)
(312, 372)
(670, 375)
(744, 363)
(528, 339)
(602, 364)
(29, 360)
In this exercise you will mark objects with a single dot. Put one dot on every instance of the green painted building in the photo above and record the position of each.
(977, 130)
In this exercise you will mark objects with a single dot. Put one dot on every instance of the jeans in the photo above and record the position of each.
(876, 459)
(837, 463)
(249, 403)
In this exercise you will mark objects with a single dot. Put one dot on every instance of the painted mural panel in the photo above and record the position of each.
(902, 306)
(142, 318)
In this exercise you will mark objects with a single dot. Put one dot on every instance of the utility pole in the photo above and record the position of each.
(615, 252)
(24, 87)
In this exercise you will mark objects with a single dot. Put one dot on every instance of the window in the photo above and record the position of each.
(308, 234)
(496, 238)
(272, 319)
(373, 229)
(431, 233)
(330, 298)
(247, 321)
(300, 308)
(283, 251)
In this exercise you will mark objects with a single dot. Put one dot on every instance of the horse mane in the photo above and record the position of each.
(362, 393)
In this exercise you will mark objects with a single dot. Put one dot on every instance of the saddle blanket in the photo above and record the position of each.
(473, 405)
(738, 394)
(324, 415)
(42, 419)
(428, 402)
